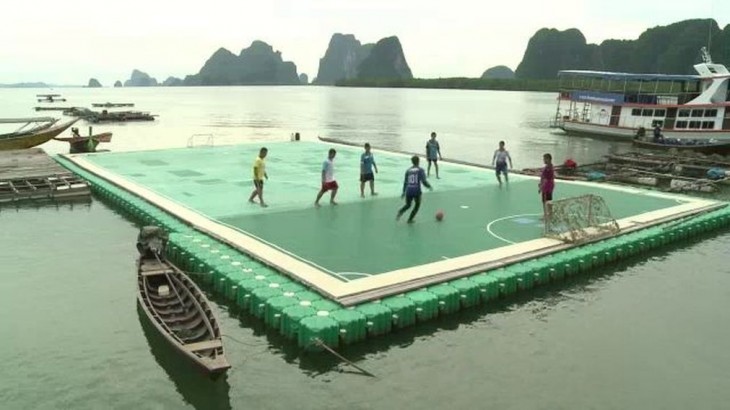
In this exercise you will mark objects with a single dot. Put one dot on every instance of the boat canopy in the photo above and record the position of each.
(607, 75)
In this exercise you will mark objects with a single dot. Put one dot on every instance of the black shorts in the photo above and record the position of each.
(434, 160)
(258, 183)
(367, 177)
(547, 196)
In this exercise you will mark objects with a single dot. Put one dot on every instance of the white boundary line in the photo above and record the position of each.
(489, 226)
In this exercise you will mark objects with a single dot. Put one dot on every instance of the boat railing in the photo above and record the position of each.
(201, 140)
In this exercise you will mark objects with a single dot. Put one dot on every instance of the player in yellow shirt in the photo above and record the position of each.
(259, 173)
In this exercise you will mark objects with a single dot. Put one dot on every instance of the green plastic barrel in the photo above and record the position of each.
(318, 329)
(403, 310)
(448, 297)
(379, 318)
(427, 304)
(353, 325)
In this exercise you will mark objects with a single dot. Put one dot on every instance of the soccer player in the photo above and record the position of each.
(367, 164)
(547, 184)
(433, 154)
(259, 173)
(328, 178)
(415, 176)
(499, 160)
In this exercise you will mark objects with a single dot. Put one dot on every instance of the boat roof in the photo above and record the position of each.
(25, 120)
(607, 75)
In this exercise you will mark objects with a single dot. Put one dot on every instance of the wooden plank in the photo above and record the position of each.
(206, 345)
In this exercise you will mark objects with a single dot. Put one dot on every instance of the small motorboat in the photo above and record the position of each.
(176, 306)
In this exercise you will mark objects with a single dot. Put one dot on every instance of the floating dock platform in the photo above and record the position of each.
(30, 174)
(344, 273)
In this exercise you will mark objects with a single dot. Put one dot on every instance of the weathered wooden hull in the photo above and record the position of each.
(182, 316)
(82, 144)
(32, 139)
(722, 148)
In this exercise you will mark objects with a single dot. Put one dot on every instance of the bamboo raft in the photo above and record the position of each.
(670, 172)
(30, 174)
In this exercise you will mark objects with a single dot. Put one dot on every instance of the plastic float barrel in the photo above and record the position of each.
(291, 316)
(523, 275)
(259, 296)
(427, 304)
(403, 310)
(540, 271)
(275, 307)
(448, 297)
(353, 327)
(469, 294)
(245, 288)
(488, 286)
(324, 304)
(379, 318)
(321, 328)
(507, 281)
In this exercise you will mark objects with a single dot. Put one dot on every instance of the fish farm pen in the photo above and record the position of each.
(348, 273)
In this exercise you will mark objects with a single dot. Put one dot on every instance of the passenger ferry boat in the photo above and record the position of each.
(608, 104)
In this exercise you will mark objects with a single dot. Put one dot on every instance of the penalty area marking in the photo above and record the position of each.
(489, 226)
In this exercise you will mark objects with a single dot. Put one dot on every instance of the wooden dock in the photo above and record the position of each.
(30, 174)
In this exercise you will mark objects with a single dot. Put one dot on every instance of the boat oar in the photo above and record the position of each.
(169, 280)
(320, 343)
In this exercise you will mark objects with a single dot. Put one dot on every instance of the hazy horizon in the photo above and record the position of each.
(71, 42)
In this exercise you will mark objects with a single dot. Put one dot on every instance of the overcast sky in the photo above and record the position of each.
(70, 41)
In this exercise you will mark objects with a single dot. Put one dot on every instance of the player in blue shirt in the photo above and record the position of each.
(415, 176)
(367, 164)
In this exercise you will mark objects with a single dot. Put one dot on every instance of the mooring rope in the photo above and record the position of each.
(320, 343)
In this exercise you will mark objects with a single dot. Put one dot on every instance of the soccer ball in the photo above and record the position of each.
(439, 215)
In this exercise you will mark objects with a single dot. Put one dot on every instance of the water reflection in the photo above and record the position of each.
(359, 115)
(78, 204)
(196, 387)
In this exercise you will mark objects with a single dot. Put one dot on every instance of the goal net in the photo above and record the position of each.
(579, 219)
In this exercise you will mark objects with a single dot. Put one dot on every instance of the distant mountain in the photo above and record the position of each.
(117, 83)
(499, 72)
(385, 61)
(671, 49)
(140, 79)
(172, 82)
(26, 85)
(257, 65)
(94, 83)
(303, 79)
(342, 59)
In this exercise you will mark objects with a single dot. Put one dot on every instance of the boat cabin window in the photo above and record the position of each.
(694, 124)
(647, 113)
(711, 113)
(636, 112)
(660, 113)
(708, 125)
(683, 113)
(697, 113)
(657, 123)
(680, 124)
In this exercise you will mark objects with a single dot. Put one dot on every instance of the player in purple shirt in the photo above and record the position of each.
(415, 176)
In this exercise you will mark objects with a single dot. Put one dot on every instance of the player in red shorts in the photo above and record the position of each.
(328, 178)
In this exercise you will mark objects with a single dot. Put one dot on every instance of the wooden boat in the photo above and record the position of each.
(176, 306)
(112, 105)
(120, 116)
(79, 144)
(32, 136)
(49, 98)
(704, 147)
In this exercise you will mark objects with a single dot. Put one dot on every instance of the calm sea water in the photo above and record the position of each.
(649, 333)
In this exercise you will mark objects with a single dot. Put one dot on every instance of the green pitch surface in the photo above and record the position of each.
(360, 236)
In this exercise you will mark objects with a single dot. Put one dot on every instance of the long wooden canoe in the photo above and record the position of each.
(705, 148)
(180, 312)
(32, 138)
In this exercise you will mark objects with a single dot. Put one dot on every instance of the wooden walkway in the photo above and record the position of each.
(31, 174)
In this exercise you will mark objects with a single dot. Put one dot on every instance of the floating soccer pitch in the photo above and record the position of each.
(368, 271)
